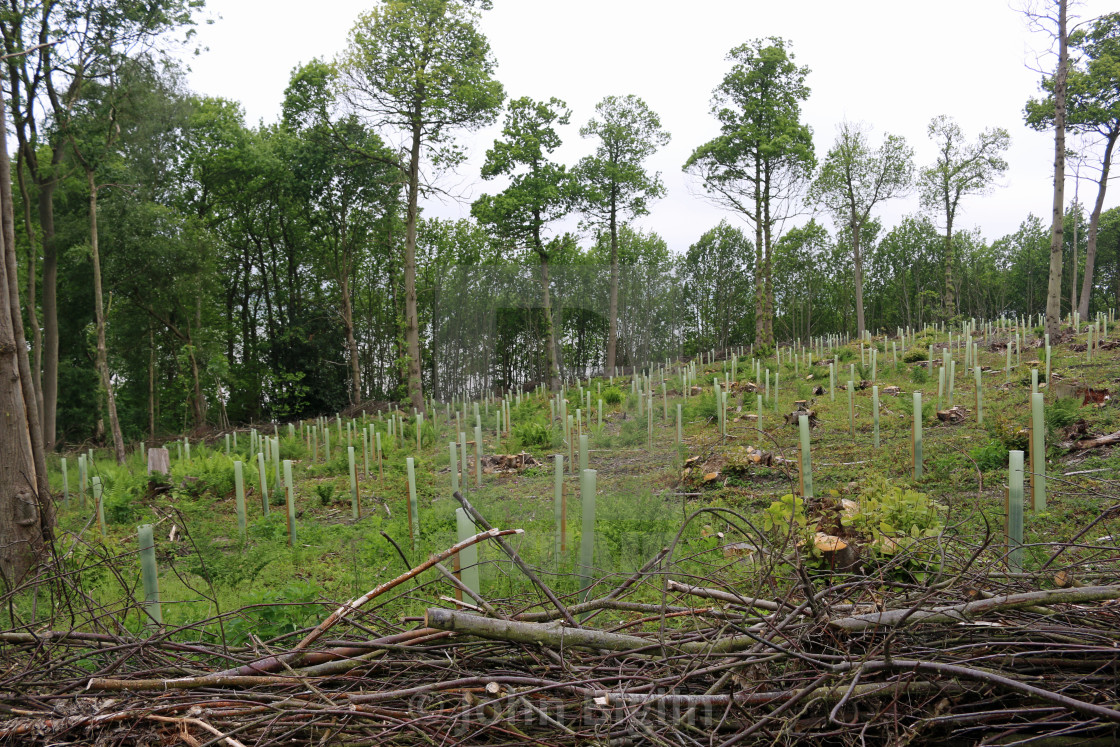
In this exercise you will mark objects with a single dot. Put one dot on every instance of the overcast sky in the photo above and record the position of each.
(890, 63)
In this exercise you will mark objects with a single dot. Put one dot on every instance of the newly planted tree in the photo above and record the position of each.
(853, 179)
(614, 182)
(420, 70)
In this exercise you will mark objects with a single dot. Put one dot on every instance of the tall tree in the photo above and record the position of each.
(853, 179)
(1092, 110)
(538, 193)
(342, 182)
(420, 69)
(760, 163)
(26, 512)
(716, 282)
(1052, 17)
(961, 169)
(51, 49)
(614, 182)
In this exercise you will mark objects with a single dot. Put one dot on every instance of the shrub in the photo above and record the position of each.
(919, 375)
(913, 355)
(532, 434)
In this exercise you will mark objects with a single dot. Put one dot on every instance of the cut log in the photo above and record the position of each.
(1092, 443)
(953, 415)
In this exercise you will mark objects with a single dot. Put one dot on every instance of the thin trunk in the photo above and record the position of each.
(1094, 226)
(550, 333)
(50, 312)
(858, 269)
(351, 341)
(412, 321)
(99, 310)
(32, 313)
(152, 384)
(612, 312)
(950, 300)
(759, 269)
(1054, 287)
(26, 513)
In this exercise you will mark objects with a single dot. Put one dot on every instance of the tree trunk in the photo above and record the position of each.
(351, 341)
(1094, 226)
(550, 332)
(950, 301)
(50, 311)
(32, 313)
(26, 513)
(857, 269)
(612, 311)
(412, 320)
(99, 310)
(1054, 287)
(152, 384)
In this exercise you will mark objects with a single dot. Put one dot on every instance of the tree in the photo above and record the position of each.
(961, 169)
(342, 183)
(614, 183)
(539, 193)
(52, 48)
(761, 161)
(26, 513)
(1093, 110)
(1052, 16)
(422, 69)
(854, 179)
(716, 280)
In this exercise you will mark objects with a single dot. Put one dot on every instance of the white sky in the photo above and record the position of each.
(891, 63)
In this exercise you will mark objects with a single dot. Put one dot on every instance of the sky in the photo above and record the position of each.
(892, 64)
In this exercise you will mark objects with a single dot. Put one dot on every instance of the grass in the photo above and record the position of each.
(271, 589)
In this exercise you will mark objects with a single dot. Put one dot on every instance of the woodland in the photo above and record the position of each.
(813, 477)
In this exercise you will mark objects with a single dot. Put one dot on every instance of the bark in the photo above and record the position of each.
(99, 311)
(550, 331)
(612, 311)
(32, 313)
(1094, 227)
(152, 384)
(950, 300)
(857, 269)
(1054, 287)
(412, 322)
(26, 514)
(50, 310)
(351, 341)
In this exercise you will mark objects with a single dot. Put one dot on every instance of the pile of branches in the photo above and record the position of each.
(765, 653)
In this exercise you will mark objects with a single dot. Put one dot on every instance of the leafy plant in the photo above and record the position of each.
(919, 375)
(897, 520)
(612, 395)
(787, 510)
(532, 434)
(991, 456)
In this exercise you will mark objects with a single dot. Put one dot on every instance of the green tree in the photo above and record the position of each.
(420, 69)
(853, 179)
(763, 157)
(52, 49)
(614, 182)
(1093, 111)
(343, 183)
(717, 283)
(538, 193)
(961, 169)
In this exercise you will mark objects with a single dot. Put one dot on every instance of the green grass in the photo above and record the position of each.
(642, 502)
